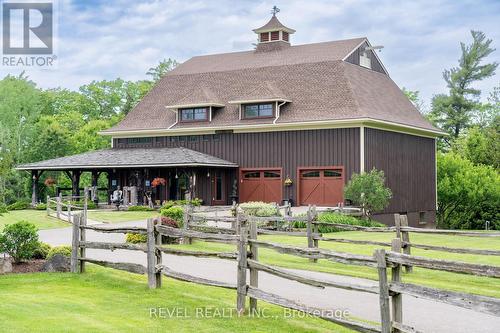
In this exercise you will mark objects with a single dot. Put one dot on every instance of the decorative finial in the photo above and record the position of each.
(275, 10)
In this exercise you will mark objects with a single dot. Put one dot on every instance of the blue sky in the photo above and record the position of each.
(108, 39)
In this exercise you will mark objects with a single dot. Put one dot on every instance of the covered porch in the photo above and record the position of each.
(146, 175)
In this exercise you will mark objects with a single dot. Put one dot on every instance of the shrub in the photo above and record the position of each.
(3, 209)
(368, 191)
(171, 203)
(42, 251)
(340, 219)
(259, 208)
(18, 205)
(64, 250)
(136, 238)
(343, 219)
(175, 212)
(169, 222)
(140, 209)
(41, 206)
(19, 240)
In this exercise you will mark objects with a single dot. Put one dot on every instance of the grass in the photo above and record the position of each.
(444, 280)
(106, 300)
(111, 216)
(38, 217)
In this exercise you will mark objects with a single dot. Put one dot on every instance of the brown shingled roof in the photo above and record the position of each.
(320, 85)
(273, 25)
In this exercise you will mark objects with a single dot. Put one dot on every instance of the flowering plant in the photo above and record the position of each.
(158, 181)
(49, 182)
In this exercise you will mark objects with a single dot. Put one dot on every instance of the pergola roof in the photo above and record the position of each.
(130, 158)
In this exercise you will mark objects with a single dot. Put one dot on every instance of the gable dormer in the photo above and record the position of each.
(197, 106)
(273, 35)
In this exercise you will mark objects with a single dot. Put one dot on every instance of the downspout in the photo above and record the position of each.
(278, 106)
(176, 119)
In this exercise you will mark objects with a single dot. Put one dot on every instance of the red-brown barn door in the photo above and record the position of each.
(321, 186)
(260, 185)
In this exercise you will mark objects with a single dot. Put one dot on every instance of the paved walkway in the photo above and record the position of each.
(425, 315)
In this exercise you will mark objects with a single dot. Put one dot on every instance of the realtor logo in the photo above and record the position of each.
(28, 34)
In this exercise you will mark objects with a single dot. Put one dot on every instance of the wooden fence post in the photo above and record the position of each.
(59, 208)
(48, 205)
(83, 237)
(405, 241)
(254, 273)
(397, 298)
(385, 311)
(75, 245)
(187, 218)
(154, 275)
(315, 228)
(68, 210)
(85, 202)
(309, 231)
(241, 283)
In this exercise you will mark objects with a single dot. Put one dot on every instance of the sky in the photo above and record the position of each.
(99, 40)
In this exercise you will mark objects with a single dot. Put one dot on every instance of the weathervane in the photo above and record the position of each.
(275, 10)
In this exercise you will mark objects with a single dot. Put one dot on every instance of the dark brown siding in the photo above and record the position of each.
(288, 150)
(409, 165)
(353, 58)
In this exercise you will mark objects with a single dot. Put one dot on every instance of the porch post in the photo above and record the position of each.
(35, 175)
(75, 182)
(95, 177)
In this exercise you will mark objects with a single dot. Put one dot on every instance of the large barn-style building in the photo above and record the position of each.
(280, 122)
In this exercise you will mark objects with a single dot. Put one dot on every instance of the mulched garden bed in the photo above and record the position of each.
(31, 266)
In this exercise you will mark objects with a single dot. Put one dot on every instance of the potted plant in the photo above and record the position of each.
(49, 182)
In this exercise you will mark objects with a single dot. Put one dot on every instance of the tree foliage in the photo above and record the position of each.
(453, 111)
(468, 194)
(368, 191)
(37, 124)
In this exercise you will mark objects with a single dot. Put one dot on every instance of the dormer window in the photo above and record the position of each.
(263, 110)
(193, 114)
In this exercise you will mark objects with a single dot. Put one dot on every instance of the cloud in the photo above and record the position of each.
(108, 39)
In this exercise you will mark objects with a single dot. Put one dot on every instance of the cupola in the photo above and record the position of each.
(273, 35)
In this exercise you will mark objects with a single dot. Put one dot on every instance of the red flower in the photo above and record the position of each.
(49, 182)
(158, 181)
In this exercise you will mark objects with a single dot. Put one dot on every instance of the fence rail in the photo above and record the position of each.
(244, 234)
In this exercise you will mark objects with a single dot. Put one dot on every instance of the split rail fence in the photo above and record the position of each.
(244, 235)
(63, 207)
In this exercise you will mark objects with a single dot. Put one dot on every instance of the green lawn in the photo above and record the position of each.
(110, 216)
(37, 217)
(106, 300)
(444, 280)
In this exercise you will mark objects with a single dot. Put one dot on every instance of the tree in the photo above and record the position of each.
(414, 97)
(453, 112)
(368, 191)
(480, 145)
(468, 194)
(165, 66)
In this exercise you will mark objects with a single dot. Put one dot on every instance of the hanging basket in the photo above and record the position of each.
(158, 181)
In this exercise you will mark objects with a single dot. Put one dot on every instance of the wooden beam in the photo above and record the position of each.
(122, 230)
(444, 265)
(179, 233)
(483, 304)
(124, 266)
(199, 254)
(326, 314)
(190, 278)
